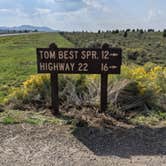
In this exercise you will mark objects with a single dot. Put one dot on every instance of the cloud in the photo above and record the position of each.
(92, 3)
(99, 5)
(17, 12)
(46, 1)
(51, 1)
(154, 13)
(84, 14)
(42, 11)
(3, 10)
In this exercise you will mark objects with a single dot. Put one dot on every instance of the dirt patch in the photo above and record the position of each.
(48, 145)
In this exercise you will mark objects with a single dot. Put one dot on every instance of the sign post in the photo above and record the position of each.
(54, 88)
(54, 93)
(56, 60)
(103, 96)
(103, 88)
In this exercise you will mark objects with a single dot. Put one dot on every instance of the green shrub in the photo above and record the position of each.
(164, 33)
(135, 54)
(73, 89)
(144, 84)
(94, 45)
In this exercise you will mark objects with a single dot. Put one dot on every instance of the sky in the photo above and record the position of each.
(90, 15)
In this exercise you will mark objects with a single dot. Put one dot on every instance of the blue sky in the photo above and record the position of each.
(88, 15)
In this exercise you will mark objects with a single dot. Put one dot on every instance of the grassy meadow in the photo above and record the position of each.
(18, 57)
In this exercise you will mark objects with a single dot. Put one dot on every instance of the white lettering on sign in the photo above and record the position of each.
(82, 67)
(57, 66)
(48, 55)
(68, 54)
(89, 55)
(105, 55)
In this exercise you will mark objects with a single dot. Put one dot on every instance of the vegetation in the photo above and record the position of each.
(138, 88)
(31, 117)
(164, 33)
(125, 34)
(36, 90)
(139, 47)
(18, 57)
(151, 118)
(138, 94)
(16, 31)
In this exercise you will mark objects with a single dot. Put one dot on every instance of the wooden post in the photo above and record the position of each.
(103, 86)
(54, 94)
(103, 96)
(54, 88)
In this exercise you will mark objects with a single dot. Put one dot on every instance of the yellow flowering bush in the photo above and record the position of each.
(153, 79)
(78, 88)
(36, 83)
(37, 87)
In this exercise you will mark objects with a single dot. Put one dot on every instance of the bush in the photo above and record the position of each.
(94, 45)
(135, 54)
(125, 34)
(147, 79)
(73, 89)
(35, 90)
(164, 33)
(115, 31)
(141, 31)
(136, 86)
(126, 96)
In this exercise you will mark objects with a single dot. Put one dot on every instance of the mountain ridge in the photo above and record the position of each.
(27, 27)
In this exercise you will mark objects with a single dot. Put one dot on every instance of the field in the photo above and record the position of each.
(140, 87)
(18, 57)
(138, 47)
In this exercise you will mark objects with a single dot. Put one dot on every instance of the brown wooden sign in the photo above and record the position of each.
(56, 60)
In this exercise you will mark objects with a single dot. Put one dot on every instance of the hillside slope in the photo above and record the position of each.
(18, 57)
(138, 47)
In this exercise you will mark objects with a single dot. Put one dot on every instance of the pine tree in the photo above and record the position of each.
(125, 34)
(164, 33)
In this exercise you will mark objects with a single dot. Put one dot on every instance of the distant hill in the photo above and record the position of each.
(27, 27)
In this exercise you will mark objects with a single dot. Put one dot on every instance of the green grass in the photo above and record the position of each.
(152, 118)
(31, 117)
(9, 120)
(18, 57)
